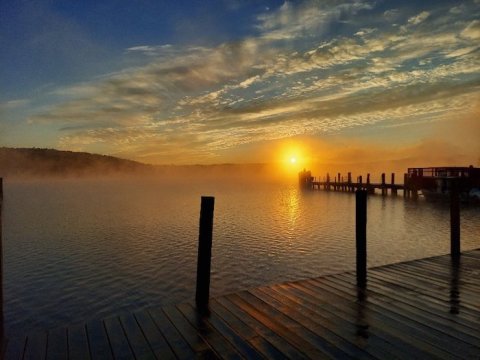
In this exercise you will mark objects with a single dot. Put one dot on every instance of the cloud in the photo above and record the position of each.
(193, 103)
(309, 19)
(417, 19)
(472, 31)
(14, 104)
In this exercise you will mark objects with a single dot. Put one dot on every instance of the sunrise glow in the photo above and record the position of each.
(358, 77)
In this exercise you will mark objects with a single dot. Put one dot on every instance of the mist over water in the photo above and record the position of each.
(81, 249)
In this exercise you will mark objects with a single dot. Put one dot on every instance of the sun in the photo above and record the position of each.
(293, 160)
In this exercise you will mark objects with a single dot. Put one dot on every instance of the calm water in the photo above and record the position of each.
(76, 250)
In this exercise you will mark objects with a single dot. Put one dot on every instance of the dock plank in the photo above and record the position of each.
(15, 348)
(189, 333)
(402, 326)
(384, 327)
(78, 342)
(118, 341)
(265, 331)
(211, 335)
(155, 338)
(57, 346)
(246, 332)
(138, 343)
(335, 346)
(360, 319)
(36, 346)
(292, 333)
(98, 341)
(445, 320)
(431, 329)
(178, 344)
(355, 331)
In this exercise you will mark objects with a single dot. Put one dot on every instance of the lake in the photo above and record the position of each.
(81, 249)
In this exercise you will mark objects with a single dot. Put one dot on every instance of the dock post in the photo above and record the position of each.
(454, 221)
(361, 236)
(204, 252)
(2, 327)
(394, 188)
(384, 190)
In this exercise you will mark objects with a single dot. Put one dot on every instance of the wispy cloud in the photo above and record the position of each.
(294, 77)
(417, 19)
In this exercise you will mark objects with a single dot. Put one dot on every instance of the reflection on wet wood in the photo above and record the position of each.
(428, 308)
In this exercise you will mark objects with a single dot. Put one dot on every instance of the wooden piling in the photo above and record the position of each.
(394, 188)
(454, 221)
(361, 236)
(204, 252)
(2, 325)
(384, 189)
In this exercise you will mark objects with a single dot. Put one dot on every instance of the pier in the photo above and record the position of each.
(346, 184)
(424, 309)
(432, 181)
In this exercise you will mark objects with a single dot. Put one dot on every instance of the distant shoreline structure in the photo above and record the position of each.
(432, 182)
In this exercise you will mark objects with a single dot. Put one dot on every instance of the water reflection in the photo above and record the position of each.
(454, 286)
(361, 320)
(293, 200)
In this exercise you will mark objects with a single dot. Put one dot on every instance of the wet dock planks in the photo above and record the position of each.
(428, 308)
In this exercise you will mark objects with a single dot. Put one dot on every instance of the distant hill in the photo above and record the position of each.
(35, 162)
(50, 162)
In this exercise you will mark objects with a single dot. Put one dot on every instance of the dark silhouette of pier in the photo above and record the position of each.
(431, 181)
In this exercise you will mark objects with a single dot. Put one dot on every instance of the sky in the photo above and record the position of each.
(203, 82)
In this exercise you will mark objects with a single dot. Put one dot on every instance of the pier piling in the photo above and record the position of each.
(204, 252)
(361, 236)
(2, 334)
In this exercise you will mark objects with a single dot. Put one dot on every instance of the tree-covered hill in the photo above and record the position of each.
(48, 162)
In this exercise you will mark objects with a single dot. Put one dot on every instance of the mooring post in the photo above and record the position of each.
(454, 221)
(204, 252)
(2, 328)
(361, 235)
(383, 184)
(394, 188)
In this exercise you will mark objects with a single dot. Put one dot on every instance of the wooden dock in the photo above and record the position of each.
(339, 183)
(435, 180)
(423, 309)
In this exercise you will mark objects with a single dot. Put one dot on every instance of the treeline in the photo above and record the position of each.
(50, 162)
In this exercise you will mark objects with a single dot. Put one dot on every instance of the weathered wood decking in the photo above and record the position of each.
(420, 309)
